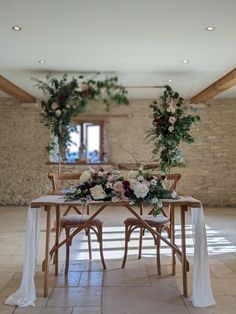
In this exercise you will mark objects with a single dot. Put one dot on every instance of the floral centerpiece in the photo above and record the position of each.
(171, 123)
(66, 99)
(140, 187)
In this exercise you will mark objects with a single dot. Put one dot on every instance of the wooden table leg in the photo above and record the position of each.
(47, 248)
(57, 237)
(172, 236)
(183, 209)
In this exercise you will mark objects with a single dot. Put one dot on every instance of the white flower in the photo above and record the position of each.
(174, 194)
(132, 174)
(159, 204)
(58, 112)
(85, 176)
(101, 173)
(109, 185)
(141, 167)
(171, 108)
(163, 185)
(154, 200)
(92, 170)
(115, 199)
(140, 178)
(54, 106)
(141, 190)
(83, 87)
(98, 193)
(153, 182)
(172, 119)
(133, 182)
(171, 128)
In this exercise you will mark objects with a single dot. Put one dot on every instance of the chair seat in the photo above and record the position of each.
(74, 220)
(150, 219)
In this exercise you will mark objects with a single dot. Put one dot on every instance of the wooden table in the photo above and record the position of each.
(56, 201)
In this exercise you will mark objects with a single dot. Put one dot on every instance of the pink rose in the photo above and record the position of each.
(118, 187)
(172, 120)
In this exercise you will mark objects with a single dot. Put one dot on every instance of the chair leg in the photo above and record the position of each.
(140, 243)
(126, 246)
(99, 228)
(87, 231)
(68, 243)
(87, 209)
(158, 242)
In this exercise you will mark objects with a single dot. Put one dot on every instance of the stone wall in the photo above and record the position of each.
(209, 176)
(22, 145)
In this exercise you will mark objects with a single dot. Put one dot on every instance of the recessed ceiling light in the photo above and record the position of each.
(210, 28)
(41, 61)
(16, 28)
(185, 61)
(170, 81)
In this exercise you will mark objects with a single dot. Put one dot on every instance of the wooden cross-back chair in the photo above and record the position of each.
(63, 181)
(80, 221)
(160, 223)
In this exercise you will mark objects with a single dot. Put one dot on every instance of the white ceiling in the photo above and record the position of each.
(140, 41)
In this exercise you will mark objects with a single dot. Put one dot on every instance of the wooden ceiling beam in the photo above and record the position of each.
(15, 91)
(219, 86)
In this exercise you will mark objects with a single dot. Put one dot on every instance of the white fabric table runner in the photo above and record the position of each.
(201, 285)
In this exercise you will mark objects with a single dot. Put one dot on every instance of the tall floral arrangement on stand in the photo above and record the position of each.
(67, 98)
(171, 124)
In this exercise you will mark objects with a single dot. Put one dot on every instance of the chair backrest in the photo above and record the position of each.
(172, 179)
(58, 179)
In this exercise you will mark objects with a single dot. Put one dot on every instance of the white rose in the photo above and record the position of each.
(132, 174)
(85, 176)
(174, 194)
(133, 182)
(141, 167)
(54, 106)
(141, 190)
(140, 178)
(153, 182)
(58, 112)
(98, 193)
(83, 87)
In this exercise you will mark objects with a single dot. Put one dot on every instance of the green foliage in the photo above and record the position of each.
(171, 126)
(67, 99)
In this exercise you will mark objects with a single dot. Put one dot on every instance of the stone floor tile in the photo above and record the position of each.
(47, 310)
(72, 279)
(224, 286)
(222, 271)
(94, 279)
(87, 310)
(125, 277)
(85, 265)
(7, 311)
(124, 300)
(75, 296)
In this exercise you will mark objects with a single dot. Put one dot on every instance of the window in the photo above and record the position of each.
(87, 143)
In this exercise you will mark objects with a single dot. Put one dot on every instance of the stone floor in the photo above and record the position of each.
(137, 288)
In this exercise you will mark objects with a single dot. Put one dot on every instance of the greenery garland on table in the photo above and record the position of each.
(68, 98)
(171, 125)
